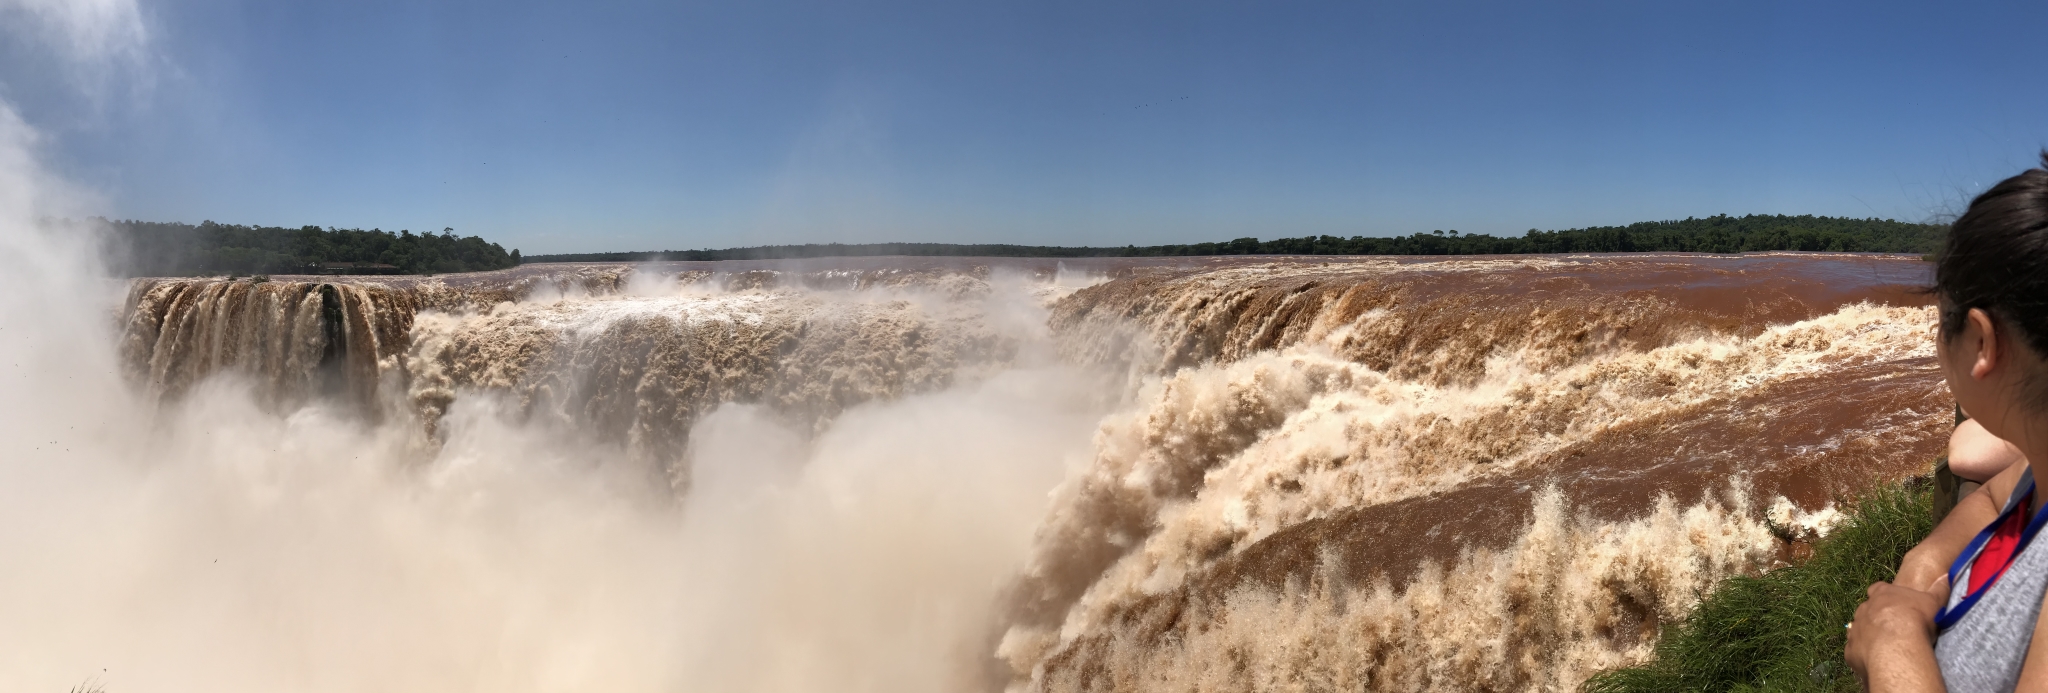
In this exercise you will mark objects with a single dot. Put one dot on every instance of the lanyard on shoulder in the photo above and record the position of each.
(1949, 615)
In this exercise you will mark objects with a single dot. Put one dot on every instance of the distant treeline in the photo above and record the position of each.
(171, 249)
(141, 248)
(1716, 234)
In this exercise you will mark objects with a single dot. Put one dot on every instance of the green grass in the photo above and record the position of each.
(1782, 630)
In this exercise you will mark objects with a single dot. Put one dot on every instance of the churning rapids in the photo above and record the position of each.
(900, 474)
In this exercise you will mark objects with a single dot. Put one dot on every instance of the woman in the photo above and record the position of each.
(1964, 610)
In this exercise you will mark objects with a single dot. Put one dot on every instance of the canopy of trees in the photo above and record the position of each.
(171, 249)
(141, 248)
(1716, 234)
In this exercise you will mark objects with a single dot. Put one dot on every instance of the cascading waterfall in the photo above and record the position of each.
(1488, 474)
(296, 338)
(634, 369)
(1463, 475)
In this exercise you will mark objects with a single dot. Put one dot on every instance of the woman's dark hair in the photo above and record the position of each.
(1996, 259)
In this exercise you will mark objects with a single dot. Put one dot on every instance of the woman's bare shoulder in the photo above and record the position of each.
(1999, 488)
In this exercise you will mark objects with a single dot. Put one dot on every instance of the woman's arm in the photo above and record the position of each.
(1891, 642)
(1933, 556)
(1975, 454)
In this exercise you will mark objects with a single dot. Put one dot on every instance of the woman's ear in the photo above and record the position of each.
(1980, 335)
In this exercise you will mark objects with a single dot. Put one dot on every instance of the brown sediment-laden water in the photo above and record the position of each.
(1498, 473)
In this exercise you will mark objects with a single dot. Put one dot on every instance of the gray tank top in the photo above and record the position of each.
(1984, 651)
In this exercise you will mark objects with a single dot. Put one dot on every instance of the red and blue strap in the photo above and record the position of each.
(1991, 553)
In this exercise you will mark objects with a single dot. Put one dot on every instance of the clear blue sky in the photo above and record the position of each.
(594, 126)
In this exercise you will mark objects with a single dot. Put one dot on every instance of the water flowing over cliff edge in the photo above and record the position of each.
(1252, 474)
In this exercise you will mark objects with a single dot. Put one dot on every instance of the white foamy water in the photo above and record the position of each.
(218, 542)
(759, 485)
(243, 494)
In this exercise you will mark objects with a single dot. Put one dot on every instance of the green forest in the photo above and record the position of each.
(1715, 234)
(142, 248)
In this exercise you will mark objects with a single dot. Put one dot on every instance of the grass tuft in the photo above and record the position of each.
(1782, 630)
